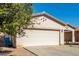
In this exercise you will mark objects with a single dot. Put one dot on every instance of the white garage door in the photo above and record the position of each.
(38, 38)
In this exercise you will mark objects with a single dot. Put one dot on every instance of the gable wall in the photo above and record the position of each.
(47, 24)
(69, 28)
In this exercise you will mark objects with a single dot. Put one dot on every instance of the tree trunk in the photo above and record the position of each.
(1, 44)
(13, 41)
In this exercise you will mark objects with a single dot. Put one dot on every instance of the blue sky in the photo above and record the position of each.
(69, 13)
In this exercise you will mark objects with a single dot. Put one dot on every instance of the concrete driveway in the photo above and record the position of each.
(54, 50)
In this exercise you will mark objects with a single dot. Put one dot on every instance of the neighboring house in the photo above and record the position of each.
(77, 34)
(47, 30)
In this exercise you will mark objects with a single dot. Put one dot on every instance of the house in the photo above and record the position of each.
(47, 30)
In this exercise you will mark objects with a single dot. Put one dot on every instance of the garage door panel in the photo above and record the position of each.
(39, 37)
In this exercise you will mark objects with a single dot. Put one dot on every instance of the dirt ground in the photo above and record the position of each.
(14, 52)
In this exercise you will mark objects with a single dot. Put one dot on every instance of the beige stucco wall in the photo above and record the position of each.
(47, 24)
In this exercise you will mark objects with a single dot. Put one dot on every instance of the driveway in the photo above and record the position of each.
(54, 50)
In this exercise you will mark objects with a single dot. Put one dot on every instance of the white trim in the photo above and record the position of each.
(73, 36)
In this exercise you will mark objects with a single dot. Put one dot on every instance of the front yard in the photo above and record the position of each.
(64, 50)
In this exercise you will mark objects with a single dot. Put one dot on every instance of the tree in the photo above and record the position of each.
(14, 17)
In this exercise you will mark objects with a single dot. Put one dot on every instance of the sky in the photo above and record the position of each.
(66, 12)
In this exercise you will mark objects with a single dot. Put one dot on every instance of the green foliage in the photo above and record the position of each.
(14, 16)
